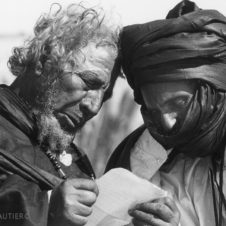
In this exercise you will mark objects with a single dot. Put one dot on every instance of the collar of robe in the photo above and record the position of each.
(17, 112)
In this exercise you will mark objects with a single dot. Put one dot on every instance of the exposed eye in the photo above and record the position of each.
(180, 102)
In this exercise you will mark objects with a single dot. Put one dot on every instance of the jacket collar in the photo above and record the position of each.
(15, 110)
(147, 156)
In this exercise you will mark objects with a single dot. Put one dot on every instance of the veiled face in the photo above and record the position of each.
(167, 102)
(78, 96)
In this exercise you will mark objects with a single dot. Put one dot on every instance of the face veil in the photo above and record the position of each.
(200, 131)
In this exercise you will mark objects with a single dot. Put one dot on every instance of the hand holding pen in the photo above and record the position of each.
(71, 202)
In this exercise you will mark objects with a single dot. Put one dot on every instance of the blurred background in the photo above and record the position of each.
(118, 116)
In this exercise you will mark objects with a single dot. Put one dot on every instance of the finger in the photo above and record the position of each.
(81, 210)
(159, 210)
(86, 197)
(138, 223)
(84, 184)
(74, 219)
(143, 218)
(170, 203)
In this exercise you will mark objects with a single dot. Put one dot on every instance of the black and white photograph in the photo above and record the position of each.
(113, 113)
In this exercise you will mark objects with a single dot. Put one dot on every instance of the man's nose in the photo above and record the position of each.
(92, 102)
(169, 120)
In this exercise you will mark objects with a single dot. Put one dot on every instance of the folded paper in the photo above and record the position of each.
(119, 191)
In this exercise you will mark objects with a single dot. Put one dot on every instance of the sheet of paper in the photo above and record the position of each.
(120, 190)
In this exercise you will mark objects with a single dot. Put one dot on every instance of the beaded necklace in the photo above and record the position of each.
(53, 159)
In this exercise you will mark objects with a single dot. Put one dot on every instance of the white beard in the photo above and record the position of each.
(52, 134)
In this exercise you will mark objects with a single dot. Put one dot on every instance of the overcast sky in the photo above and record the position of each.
(20, 15)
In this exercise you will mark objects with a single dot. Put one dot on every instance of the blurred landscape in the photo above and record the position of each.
(99, 137)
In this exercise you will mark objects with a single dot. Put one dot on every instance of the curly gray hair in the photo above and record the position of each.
(58, 37)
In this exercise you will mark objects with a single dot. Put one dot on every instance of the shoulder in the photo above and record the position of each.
(10, 134)
(119, 157)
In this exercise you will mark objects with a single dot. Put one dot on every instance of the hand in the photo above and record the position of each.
(160, 212)
(70, 202)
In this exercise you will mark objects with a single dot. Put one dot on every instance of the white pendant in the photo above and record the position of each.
(65, 158)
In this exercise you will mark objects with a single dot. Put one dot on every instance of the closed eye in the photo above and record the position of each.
(92, 80)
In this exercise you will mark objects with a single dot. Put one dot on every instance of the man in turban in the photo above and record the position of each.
(177, 69)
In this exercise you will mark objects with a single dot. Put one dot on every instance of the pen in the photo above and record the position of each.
(53, 160)
(83, 162)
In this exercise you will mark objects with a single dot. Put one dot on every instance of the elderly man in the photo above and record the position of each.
(63, 78)
(176, 68)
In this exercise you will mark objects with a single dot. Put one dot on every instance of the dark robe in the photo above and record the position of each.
(26, 173)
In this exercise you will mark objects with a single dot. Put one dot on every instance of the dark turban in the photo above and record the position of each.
(189, 44)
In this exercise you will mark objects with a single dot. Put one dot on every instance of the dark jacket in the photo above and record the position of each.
(26, 173)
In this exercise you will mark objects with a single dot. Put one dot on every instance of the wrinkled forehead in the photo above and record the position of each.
(99, 50)
(92, 57)
(100, 56)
